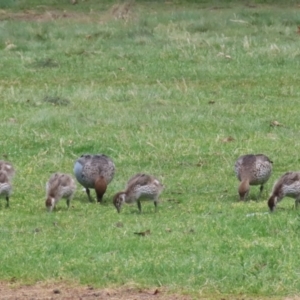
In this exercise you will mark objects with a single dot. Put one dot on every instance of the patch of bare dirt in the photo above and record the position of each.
(62, 291)
(47, 16)
(122, 11)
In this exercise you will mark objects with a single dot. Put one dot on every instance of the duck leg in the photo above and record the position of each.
(260, 191)
(7, 201)
(139, 206)
(89, 194)
(155, 204)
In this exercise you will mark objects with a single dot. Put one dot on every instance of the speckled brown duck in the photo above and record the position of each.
(5, 187)
(8, 168)
(94, 172)
(59, 186)
(140, 186)
(7, 172)
(288, 185)
(250, 170)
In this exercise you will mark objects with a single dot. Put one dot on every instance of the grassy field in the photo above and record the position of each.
(177, 90)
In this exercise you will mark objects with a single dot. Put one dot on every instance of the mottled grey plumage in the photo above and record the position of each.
(288, 185)
(94, 172)
(252, 169)
(140, 186)
(7, 172)
(5, 187)
(59, 186)
(8, 168)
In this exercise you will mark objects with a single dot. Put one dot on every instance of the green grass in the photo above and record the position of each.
(159, 88)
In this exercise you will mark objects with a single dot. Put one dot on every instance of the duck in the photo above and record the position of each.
(287, 185)
(5, 186)
(59, 186)
(140, 186)
(252, 169)
(8, 168)
(94, 172)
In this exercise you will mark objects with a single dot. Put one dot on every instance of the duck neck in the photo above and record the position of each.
(100, 187)
(244, 189)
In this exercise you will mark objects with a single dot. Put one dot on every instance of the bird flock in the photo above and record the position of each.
(256, 169)
(92, 172)
(97, 171)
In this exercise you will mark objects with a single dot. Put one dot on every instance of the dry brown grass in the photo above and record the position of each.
(123, 10)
